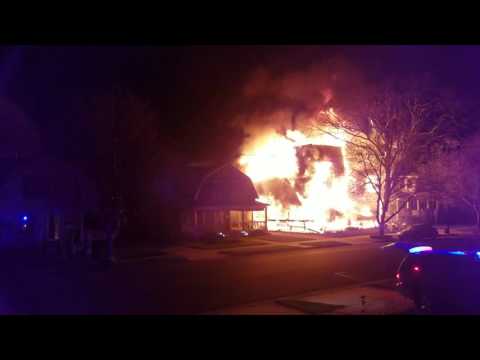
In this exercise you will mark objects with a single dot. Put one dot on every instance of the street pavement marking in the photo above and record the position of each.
(344, 274)
(153, 257)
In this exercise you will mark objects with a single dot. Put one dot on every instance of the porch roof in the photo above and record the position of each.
(256, 206)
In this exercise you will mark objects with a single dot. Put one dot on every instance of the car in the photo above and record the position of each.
(441, 280)
(419, 232)
(238, 234)
(214, 236)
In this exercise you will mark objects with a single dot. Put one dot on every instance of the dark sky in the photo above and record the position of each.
(192, 87)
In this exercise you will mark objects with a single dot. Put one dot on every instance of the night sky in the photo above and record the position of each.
(196, 89)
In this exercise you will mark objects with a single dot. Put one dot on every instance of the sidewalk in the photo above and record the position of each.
(266, 244)
(366, 299)
(279, 242)
(262, 244)
(306, 239)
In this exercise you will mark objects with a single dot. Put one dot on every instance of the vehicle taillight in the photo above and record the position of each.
(416, 268)
(398, 276)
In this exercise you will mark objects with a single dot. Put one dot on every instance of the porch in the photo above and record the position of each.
(206, 219)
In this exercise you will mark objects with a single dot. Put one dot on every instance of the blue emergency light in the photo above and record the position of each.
(419, 249)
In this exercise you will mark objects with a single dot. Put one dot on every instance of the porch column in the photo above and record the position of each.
(81, 233)
(399, 204)
(61, 233)
(436, 207)
(45, 222)
(87, 238)
(266, 217)
(228, 222)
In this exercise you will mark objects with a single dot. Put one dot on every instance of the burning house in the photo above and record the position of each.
(306, 180)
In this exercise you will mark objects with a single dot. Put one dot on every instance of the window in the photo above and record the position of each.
(412, 204)
(188, 218)
(432, 204)
(202, 218)
(235, 220)
(401, 204)
(423, 204)
(34, 187)
(410, 184)
(259, 215)
(219, 218)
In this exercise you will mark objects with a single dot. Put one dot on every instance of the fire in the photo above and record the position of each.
(305, 179)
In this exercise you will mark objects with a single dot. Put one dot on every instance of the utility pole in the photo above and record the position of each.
(115, 134)
(112, 216)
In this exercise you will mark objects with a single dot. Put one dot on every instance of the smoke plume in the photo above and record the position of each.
(274, 102)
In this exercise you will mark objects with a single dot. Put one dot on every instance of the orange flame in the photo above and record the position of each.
(326, 203)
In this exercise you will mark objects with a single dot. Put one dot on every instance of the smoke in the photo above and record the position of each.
(311, 87)
(275, 101)
(271, 102)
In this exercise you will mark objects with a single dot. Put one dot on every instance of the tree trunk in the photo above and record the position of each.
(447, 227)
(381, 229)
(382, 223)
(477, 218)
(386, 204)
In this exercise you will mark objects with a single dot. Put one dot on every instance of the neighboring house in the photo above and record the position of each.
(419, 205)
(205, 198)
(42, 200)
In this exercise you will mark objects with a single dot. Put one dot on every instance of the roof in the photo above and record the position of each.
(18, 133)
(420, 195)
(215, 186)
(51, 180)
(7, 167)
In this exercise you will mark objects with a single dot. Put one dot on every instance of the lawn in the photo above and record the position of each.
(287, 238)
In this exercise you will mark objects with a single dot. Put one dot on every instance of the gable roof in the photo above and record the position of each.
(7, 167)
(52, 181)
(208, 185)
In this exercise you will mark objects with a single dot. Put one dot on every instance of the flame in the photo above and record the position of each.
(325, 204)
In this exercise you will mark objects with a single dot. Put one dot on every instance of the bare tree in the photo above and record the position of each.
(126, 131)
(456, 174)
(387, 137)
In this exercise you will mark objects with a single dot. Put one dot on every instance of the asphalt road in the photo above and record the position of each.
(172, 286)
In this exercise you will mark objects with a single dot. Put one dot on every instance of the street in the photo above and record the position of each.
(175, 285)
